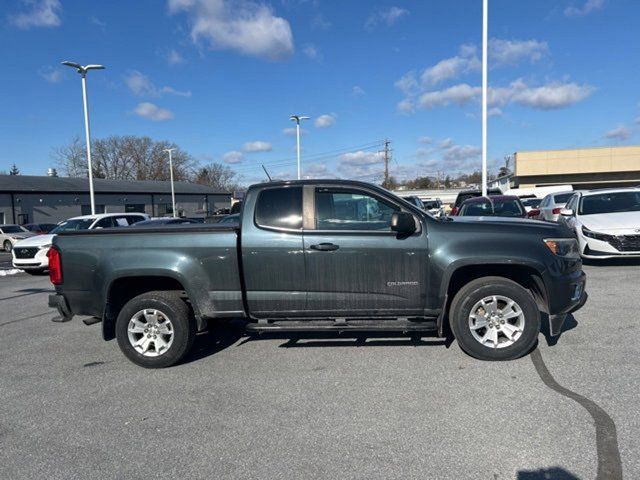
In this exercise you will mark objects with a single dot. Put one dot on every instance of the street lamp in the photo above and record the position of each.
(173, 194)
(297, 118)
(83, 73)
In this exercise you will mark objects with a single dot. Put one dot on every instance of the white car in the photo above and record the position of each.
(30, 254)
(606, 222)
(552, 204)
(10, 234)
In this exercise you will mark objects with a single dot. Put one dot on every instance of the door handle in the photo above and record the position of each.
(325, 247)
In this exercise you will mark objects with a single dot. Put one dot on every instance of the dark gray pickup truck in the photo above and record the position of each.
(326, 255)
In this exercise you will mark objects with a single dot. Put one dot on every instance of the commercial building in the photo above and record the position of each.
(582, 168)
(33, 199)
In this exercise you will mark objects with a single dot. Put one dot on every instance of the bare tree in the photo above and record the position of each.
(217, 175)
(125, 158)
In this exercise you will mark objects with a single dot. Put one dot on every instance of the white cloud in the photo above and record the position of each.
(460, 153)
(246, 27)
(320, 23)
(358, 91)
(174, 57)
(50, 74)
(408, 84)
(551, 96)
(151, 111)
(311, 51)
(425, 140)
(325, 121)
(141, 86)
(387, 16)
(460, 94)
(405, 106)
(361, 158)
(257, 146)
(466, 61)
(43, 13)
(316, 170)
(619, 133)
(232, 157)
(510, 52)
(588, 7)
(494, 112)
(446, 143)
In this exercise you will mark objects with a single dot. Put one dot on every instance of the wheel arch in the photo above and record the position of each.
(123, 288)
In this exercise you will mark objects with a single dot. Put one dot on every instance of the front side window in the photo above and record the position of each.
(70, 225)
(280, 208)
(338, 209)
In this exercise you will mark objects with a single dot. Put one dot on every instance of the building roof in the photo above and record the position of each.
(32, 183)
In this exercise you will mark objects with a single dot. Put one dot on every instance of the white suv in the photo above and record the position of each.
(30, 254)
(606, 222)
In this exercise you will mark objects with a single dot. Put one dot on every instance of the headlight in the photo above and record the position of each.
(563, 247)
(598, 236)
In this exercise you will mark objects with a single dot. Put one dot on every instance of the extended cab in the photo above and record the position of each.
(321, 255)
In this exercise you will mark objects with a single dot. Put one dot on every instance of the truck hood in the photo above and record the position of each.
(35, 241)
(511, 224)
(614, 223)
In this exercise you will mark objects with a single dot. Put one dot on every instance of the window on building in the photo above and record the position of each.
(86, 209)
(165, 209)
(134, 207)
(23, 218)
(280, 207)
(2, 218)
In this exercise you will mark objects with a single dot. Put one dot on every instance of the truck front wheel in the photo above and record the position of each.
(155, 329)
(494, 318)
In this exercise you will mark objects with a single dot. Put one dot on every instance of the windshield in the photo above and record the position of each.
(13, 229)
(610, 203)
(562, 198)
(496, 208)
(69, 225)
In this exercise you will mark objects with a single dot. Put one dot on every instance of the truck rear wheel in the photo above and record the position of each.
(494, 318)
(155, 329)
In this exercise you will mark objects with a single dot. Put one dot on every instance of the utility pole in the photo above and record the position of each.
(387, 157)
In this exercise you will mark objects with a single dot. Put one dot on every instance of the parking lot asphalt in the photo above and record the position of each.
(5, 260)
(290, 407)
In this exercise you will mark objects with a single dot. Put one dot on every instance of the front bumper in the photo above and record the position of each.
(58, 302)
(566, 294)
(595, 249)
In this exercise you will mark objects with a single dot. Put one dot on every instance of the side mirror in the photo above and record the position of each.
(567, 212)
(403, 223)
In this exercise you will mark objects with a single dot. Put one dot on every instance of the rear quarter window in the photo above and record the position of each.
(280, 208)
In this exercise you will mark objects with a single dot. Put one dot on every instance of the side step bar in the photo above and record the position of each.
(344, 325)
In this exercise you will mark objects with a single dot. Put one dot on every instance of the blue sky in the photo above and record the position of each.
(221, 79)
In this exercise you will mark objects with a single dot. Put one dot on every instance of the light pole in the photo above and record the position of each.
(173, 193)
(485, 29)
(83, 73)
(297, 118)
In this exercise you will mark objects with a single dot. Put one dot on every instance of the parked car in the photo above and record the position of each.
(552, 204)
(40, 228)
(531, 204)
(10, 234)
(30, 254)
(155, 222)
(467, 194)
(415, 200)
(232, 219)
(433, 206)
(321, 255)
(495, 206)
(606, 222)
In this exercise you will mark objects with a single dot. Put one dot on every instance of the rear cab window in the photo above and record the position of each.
(279, 208)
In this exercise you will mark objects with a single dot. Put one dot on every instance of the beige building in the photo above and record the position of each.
(582, 167)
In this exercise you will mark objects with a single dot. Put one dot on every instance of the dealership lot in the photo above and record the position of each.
(308, 407)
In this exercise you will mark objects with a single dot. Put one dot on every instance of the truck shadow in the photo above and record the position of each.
(569, 324)
(210, 342)
(359, 339)
(553, 473)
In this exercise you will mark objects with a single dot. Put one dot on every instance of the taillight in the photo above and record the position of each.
(556, 211)
(454, 211)
(55, 266)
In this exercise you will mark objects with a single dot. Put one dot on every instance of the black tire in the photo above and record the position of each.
(35, 271)
(7, 246)
(176, 310)
(479, 289)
